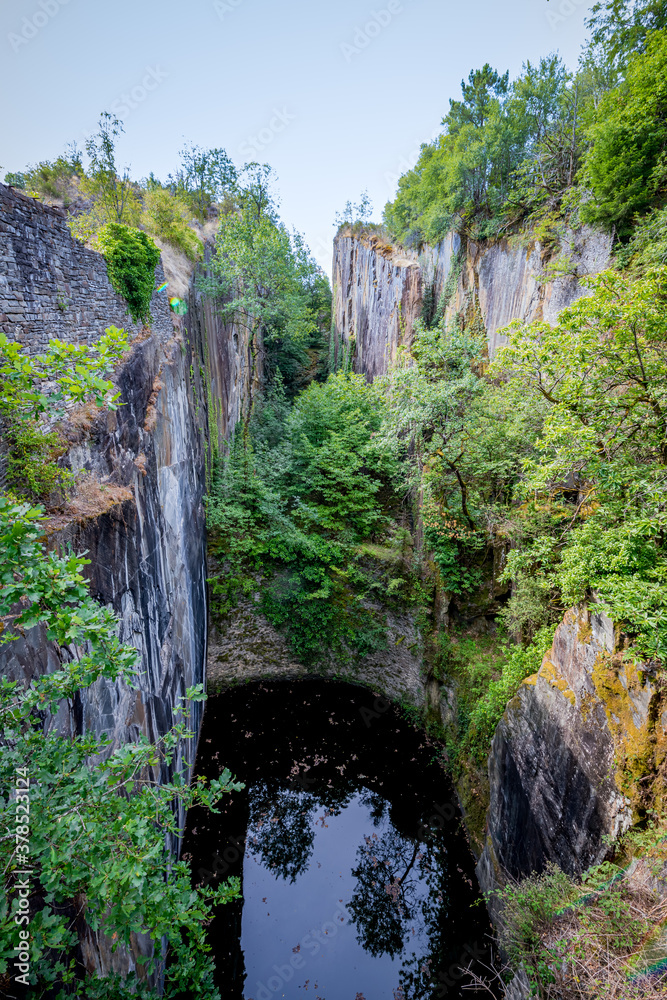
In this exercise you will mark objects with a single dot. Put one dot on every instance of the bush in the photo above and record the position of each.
(55, 179)
(32, 469)
(625, 166)
(100, 815)
(131, 259)
(166, 217)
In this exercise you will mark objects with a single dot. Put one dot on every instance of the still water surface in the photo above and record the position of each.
(357, 880)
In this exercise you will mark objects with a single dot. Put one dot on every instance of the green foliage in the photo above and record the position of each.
(54, 180)
(287, 516)
(34, 385)
(355, 214)
(461, 441)
(625, 166)
(32, 388)
(205, 176)
(99, 815)
(115, 199)
(16, 180)
(602, 370)
(32, 468)
(647, 247)
(583, 936)
(131, 259)
(262, 275)
(487, 672)
(265, 280)
(620, 28)
(504, 148)
(166, 216)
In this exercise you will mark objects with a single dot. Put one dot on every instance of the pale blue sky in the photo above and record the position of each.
(336, 95)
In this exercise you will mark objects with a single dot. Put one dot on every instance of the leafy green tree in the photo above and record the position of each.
(256, 192)
(620, 28)
(297, 513)
(205, 175)
(111, 188)
(33, 388)
(625, 167)
(100, 818)
(264, 279)
(166, 216)
(470, 171)
(602, 371)
(355, 213)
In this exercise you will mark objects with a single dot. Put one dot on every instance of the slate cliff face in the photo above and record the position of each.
(554, 755)
(377, 297)
(139, 513)
(380, 290)
(558, 782)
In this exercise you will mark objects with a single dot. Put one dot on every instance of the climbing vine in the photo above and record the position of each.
(131, 258)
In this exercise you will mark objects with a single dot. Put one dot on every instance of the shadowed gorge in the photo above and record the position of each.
(333, 606)
(356, 875)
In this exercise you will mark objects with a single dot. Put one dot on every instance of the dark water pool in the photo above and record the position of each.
(357, 881)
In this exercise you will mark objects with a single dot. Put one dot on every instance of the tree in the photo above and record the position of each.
(626, 166)
(256, 195)
(354, 214)
(206, 175)
(620, 28)
(111, 189)
(602, 454)
(262, 277)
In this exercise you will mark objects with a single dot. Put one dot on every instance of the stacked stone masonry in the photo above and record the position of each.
(52, 286)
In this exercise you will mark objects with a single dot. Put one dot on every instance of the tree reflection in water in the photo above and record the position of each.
(334, 813)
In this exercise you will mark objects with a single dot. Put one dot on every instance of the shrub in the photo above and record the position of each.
(131, 258)
(165, 216)
(99, 814)
(32, 469)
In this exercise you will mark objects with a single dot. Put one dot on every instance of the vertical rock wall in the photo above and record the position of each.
(139, 510)
(377, 296)
(379, 290)
(554, 797)
(228, 371)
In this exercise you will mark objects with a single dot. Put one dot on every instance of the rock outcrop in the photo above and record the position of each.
(377, 293)
(380, 290)
(572, 758)
(245, 647)
(138, 507)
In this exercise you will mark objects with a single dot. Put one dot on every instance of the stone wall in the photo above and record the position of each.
(53, 286)
(138, 507)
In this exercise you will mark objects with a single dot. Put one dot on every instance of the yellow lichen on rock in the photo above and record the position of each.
(632, 706)
(550, 674)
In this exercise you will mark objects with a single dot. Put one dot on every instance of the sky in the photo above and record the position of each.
(336, 95)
